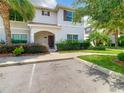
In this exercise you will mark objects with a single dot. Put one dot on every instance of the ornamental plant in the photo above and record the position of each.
(18, 51)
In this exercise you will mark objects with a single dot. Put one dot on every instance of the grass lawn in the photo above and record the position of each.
(105, 61)
(107, 51)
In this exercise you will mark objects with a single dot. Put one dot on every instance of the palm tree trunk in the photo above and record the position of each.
(116, 38)
(4, 12)
(6, 22)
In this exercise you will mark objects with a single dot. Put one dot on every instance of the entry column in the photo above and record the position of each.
(31, 37)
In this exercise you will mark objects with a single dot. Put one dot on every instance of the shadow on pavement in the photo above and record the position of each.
(114, 84)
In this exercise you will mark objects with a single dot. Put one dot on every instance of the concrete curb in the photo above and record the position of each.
(32, 62)
(112, 74)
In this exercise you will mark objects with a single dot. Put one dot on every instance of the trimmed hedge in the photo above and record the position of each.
(72, 45)
(29, 48)
(121, 56)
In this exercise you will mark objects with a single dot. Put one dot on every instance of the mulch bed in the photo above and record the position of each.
(6, 55)
(11, 55)
(121, 62)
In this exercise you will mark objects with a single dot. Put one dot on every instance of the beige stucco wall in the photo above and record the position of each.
(39, 18)
(2, 33)
(42, 37)
(16, 28)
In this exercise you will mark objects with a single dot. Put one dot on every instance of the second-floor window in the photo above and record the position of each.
(68, 15)
(15, 16)
(45, 13)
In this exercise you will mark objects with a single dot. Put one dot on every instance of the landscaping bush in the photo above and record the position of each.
(69, 45)
(86, 44)
(101, 47)
(18, 51)
(35, 48)
(72, 45)
(121, 40)
(121, 56)
(7, 48)
(29, 48)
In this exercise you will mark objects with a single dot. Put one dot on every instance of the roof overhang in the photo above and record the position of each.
(56, 8)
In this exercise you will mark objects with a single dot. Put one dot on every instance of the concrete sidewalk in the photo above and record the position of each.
(8, 61)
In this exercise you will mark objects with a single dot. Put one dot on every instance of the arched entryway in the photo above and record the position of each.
(45, 38)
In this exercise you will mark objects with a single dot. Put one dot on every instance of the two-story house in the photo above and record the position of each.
(47, 28)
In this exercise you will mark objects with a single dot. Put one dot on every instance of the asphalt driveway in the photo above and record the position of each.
(67, 76)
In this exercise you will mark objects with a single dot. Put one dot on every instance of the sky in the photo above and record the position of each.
(65, 2)
(52, 3)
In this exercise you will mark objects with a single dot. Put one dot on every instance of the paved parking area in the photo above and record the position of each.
(66, 76)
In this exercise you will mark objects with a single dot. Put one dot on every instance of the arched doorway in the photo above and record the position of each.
(45, 38)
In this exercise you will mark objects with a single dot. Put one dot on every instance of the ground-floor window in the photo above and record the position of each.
(19, 38)
(72, 37)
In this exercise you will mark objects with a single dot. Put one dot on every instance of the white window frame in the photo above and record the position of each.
(72, 36)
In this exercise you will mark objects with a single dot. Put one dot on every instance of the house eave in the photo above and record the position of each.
(56, 8)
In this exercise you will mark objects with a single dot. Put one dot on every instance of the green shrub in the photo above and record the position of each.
(121, 56)
(18, 51)
(35, 48)
(7, 48)
(72, 45)
(69, 45)
(86, 44)
(101, 47)
(29, 48)
(121, 40)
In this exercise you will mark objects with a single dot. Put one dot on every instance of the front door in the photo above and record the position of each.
(51, 41)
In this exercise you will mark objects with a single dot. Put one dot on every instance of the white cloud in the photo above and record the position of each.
(45, 3)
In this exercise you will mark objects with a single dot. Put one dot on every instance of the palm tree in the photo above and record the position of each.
(23, 7)
(113, 27)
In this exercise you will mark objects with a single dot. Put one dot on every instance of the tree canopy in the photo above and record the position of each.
(104, 14)
(103, 11)
(23, 7)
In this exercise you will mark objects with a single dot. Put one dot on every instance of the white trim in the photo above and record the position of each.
(44, 26)
(20, 28)
(17, 21)
(15, 28)
(72, 26)
(20, 33)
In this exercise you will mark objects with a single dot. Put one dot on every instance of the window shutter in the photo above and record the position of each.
(48, 13)
(42, 12)
(65, 13)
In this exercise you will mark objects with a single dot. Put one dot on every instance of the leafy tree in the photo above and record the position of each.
(23, 7)
(98, 38)
(105, 14)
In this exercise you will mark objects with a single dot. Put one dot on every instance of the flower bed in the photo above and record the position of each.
(7, 50)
